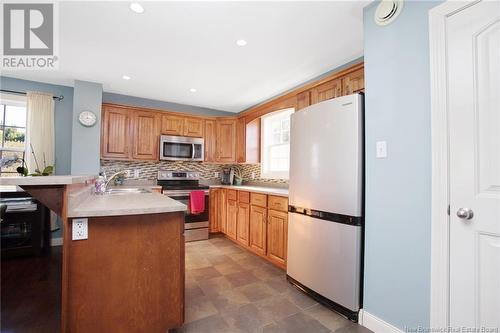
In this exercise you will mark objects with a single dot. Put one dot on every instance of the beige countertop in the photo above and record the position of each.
(45, 180)
(257, 189)
(125, 204)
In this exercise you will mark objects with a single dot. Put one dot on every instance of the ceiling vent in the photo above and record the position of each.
(387, 11)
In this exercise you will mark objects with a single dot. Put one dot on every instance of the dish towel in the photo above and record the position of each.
(197, 202)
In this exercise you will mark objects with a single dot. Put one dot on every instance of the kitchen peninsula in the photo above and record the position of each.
(127, 274)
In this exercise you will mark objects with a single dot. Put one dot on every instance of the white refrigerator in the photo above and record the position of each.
(325, 225)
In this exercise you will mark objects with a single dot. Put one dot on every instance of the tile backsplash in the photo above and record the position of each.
(148, 170)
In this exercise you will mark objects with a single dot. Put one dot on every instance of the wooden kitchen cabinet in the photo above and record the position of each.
(193, 127)
(303, 100)
(115, 133)
(226, 140)
(277, 233)
(210, 141)
(241, 140)
(327, 90)
(243, 223)
(214, 211)
(354, 82)
(231, 218)
(258, 229)
(172, 125)
(146, 135)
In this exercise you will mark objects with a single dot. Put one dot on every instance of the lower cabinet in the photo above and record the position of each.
(277, 236)
(231, 218)
(243, 223)
(257, 221)
(258, 229)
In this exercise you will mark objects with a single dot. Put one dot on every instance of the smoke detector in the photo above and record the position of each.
(387, 11)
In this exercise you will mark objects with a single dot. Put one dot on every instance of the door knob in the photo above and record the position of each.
(465, 213)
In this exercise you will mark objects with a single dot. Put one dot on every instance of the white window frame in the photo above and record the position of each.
(265, 173)
(20, 101)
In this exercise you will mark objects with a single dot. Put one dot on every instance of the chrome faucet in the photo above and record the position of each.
(108, 180)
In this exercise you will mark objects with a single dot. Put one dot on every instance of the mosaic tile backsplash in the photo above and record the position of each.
(148, 170)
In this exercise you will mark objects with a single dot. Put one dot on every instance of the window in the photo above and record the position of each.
(275, 161)
(12, 134)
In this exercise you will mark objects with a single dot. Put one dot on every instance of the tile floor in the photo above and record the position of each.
(229, 289)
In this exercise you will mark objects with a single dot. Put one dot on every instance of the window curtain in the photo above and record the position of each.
(40, 131)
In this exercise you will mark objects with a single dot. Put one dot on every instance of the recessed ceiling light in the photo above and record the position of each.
(241, 42)
(192, 90)
(136, 7)
(126, 77)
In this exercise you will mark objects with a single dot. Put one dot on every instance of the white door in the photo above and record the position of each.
(473, 67)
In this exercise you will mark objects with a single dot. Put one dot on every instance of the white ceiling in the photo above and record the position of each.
(175, 46)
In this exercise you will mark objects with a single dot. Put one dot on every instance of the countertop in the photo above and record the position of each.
(126, 204)
(257, 189)
(45, 180)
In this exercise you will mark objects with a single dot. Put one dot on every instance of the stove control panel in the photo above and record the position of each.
(180, 175)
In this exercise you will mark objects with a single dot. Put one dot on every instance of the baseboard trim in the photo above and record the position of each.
(56, 241)
(376, 324)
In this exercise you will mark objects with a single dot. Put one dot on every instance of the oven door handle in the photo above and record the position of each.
(180, 193)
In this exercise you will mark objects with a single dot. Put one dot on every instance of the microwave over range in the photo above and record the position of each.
(181, 148)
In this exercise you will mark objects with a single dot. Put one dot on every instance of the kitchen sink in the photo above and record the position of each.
(116, 191)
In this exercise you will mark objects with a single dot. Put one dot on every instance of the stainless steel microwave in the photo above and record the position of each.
(181, 148)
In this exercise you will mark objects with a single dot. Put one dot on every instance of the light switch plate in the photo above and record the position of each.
(136, 173)
(80, 229)
(381, 149)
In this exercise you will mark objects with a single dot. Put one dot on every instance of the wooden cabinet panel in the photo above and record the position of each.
(232, 195)
(222, 210)
(231, 218)
(278, 203)
(241, 140)
(277, 233)
(210, 141)
(226, 140)
(214, 211)
(327, 90)
(258, 226)
(243, 221)
(193, 127)
(115, 133)
(354, 82)
(252, 141)
(145, 135)
(258, 199)
(172, 125)
(244, 196)
(303, 100)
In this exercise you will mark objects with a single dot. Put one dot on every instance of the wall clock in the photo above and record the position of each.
(87, 118)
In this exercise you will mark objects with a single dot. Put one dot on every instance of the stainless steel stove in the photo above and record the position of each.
(178, 186)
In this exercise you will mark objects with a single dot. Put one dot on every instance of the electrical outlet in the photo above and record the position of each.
(136, 173)
(216, 174)
(127, 173)
(253, 175)
(381, 149)
(80, 229)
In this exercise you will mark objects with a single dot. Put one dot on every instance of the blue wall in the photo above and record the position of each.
(63, 116)
(85, 152)
(160, 105)
(398, 189)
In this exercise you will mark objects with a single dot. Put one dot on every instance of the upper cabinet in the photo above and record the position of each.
(129, 134)
(193, 127)
(115, 133)
(172, 125)
(210, 141)
(327, 90)
(354, 82)
(303, 100)
(146, 134)
(181, 126)
(226, 140)
(241, 140)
